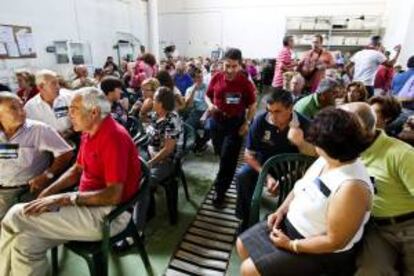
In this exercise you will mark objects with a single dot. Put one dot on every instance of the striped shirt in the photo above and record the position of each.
(27, 153)
(284, 58)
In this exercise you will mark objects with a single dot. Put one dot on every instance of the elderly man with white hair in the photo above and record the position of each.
(390, 240)
(50, 106)
(108, 172)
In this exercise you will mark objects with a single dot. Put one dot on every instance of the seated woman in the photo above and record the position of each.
(144, 106)
(166, 80)
(27, 87)
(315, 229)
(356, 92)
(164, 132)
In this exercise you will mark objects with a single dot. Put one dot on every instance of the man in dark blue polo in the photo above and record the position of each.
(268, 136)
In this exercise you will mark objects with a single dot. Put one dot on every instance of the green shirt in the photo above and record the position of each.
(308, 106)
(390, 162)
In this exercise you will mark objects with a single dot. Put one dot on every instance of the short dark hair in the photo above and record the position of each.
(149, 59)
(233, 54)
(165, 79)
(410, 62)
(109, 83)
(194, 71)
(376, 40)
(286, 40)
(390, 106)
(280, 96)
(319, 36)
(338, 133)
(165, 96)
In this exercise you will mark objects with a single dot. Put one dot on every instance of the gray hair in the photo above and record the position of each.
(365, 114)
(94, 98)
(43, 75)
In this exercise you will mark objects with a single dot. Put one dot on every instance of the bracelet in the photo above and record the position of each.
(294, 246)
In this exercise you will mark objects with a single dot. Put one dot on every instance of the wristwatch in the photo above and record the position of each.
(49, 175)
(74, 199)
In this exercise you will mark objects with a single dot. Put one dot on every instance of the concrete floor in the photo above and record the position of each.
(162, 238)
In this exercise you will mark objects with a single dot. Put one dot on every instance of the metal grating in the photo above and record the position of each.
(207, 244)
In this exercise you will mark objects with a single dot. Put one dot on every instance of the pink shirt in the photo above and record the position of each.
(283, 59)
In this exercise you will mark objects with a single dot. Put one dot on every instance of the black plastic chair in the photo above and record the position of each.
(285, 168)
(96, 253)
(187, 147)
(170, 184)
(134, 126)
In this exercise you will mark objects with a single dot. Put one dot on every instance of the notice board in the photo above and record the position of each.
(16, 42)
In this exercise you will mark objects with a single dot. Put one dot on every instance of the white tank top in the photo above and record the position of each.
(308, 210)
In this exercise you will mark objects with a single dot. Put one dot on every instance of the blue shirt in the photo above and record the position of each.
(266, 140)
(182, 82)
(400, 79)
(199, 103)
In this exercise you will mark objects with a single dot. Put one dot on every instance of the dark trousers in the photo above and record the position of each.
(193, 120)
(246, 182)
(227, 144)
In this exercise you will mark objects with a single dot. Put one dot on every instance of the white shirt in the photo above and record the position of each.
(26, 154)
(366, 64)
(57, 117)
(308, 209)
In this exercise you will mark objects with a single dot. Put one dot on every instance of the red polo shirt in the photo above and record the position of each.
(109, 156)
(232, 97)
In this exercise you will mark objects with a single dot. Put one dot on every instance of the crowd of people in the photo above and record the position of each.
(353, 210)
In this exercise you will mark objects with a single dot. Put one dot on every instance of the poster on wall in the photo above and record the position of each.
(16, 42)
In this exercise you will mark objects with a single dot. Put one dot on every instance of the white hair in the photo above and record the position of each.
(43, 75)
(94, 98)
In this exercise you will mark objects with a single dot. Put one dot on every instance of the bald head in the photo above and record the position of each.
(365, 115)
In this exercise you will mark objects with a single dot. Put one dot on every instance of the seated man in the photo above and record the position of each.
(390, 240)
(50, 106)
(112, 88)
(81, 77)
(194, 101)
(25, 146)
(325, 95)
(268, 136)
(108, 172)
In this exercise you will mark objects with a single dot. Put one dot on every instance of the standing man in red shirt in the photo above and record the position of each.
(231, 100)
(108, 172)
(284, 62)
(315, 62)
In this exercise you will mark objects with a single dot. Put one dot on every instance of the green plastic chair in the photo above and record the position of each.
(287, 169)
(96, 253)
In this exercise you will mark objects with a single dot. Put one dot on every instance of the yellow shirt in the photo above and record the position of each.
(391, 163)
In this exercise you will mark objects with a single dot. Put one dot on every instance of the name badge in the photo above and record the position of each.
(61, 112)
(9, 151)
(233, 98)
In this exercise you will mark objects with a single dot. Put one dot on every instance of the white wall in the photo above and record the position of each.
(400, 27)
(257, 27)
(93, 21)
